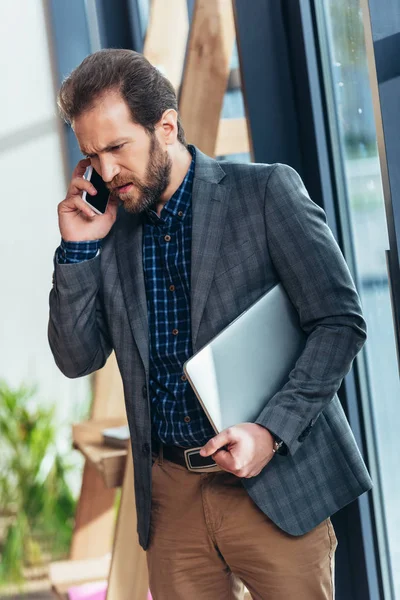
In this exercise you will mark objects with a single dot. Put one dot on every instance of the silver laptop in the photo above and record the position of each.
(236, 373)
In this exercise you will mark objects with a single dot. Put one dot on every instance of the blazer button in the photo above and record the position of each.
(144, 392)
(146, 449)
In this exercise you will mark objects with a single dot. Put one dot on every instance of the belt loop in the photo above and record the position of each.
(160, 454)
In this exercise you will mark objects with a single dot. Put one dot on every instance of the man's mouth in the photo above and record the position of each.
(121, 189)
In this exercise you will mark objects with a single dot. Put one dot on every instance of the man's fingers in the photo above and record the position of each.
(84, 207)
(217, 442)
(81, 167)
(225, 460)
(78, 185)
(75, 204)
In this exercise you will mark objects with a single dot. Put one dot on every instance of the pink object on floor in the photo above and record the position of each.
(88, 591)
(149, 596)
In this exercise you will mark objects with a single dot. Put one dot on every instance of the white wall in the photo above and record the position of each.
(33, 182)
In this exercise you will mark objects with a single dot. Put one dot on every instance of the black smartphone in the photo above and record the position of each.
(98, 202)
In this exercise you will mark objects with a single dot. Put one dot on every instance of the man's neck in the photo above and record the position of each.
(180, 166)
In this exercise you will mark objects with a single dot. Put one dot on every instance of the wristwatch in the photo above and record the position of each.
(279, 446)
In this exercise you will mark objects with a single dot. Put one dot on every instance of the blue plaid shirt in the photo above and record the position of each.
(177, 417)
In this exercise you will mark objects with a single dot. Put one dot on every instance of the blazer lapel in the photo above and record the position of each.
(130, 265)
(209, 207)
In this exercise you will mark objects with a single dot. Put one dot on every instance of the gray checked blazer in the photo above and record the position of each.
(253, 226)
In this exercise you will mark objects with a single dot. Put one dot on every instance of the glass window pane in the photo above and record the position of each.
(233, 106)
(362, 208)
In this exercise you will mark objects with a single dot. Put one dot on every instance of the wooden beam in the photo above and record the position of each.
(233, 137)
(166, 38)
(108, 462)
(206, 72)
(65, 574)
(108, 392)
(95, 519)
(128, 578)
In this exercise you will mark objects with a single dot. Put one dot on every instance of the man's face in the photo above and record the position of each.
(132, 163)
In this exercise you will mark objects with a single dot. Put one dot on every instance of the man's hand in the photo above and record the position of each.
(77, 221)
(248, 448)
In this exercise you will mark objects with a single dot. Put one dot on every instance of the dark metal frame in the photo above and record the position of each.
(288, 116)
(362, 418)
(382, 37)
(71, 41)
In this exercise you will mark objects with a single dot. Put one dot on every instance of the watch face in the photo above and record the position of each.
(280, 447)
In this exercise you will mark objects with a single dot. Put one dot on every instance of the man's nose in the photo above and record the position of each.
(108, 170)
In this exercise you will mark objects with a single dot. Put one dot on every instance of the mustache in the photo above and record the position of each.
(117, 183)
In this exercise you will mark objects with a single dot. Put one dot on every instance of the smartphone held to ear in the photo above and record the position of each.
(99, 201)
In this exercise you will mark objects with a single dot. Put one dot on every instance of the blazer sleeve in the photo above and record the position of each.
(314, 274)
(77, 331)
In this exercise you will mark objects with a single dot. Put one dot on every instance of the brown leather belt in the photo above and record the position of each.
(189, 458)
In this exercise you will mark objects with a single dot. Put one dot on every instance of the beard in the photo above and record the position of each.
(157, 178)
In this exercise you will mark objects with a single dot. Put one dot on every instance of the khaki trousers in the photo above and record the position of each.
(208, 538)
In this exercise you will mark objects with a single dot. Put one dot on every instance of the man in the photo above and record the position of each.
(185, 246)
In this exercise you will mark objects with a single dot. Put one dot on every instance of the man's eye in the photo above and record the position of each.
(117, 147)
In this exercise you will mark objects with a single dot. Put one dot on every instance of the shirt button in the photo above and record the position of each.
(187, 419)
(184, 378)
(175, 332)
(171, 288)
(167, 238)
(180, 214)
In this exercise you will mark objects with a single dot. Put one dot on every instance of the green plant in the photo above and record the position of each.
(36, 505)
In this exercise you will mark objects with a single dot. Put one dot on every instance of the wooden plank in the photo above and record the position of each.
(232, 138)
(108, 392)
(90, 432)
(108, 462)
(166, 38)
(64, 574)
(95, 520)
(206, 72)
(128, 578)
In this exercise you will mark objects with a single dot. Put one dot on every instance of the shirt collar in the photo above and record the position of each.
(179, 203)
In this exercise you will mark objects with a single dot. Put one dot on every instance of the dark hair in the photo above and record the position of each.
(145, 90)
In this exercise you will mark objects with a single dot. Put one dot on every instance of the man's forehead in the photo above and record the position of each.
(104, 125)
(111, 112)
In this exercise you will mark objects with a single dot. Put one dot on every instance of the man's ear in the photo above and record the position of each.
(168, 127)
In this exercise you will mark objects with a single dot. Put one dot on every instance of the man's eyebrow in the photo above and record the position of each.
(107, 148)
